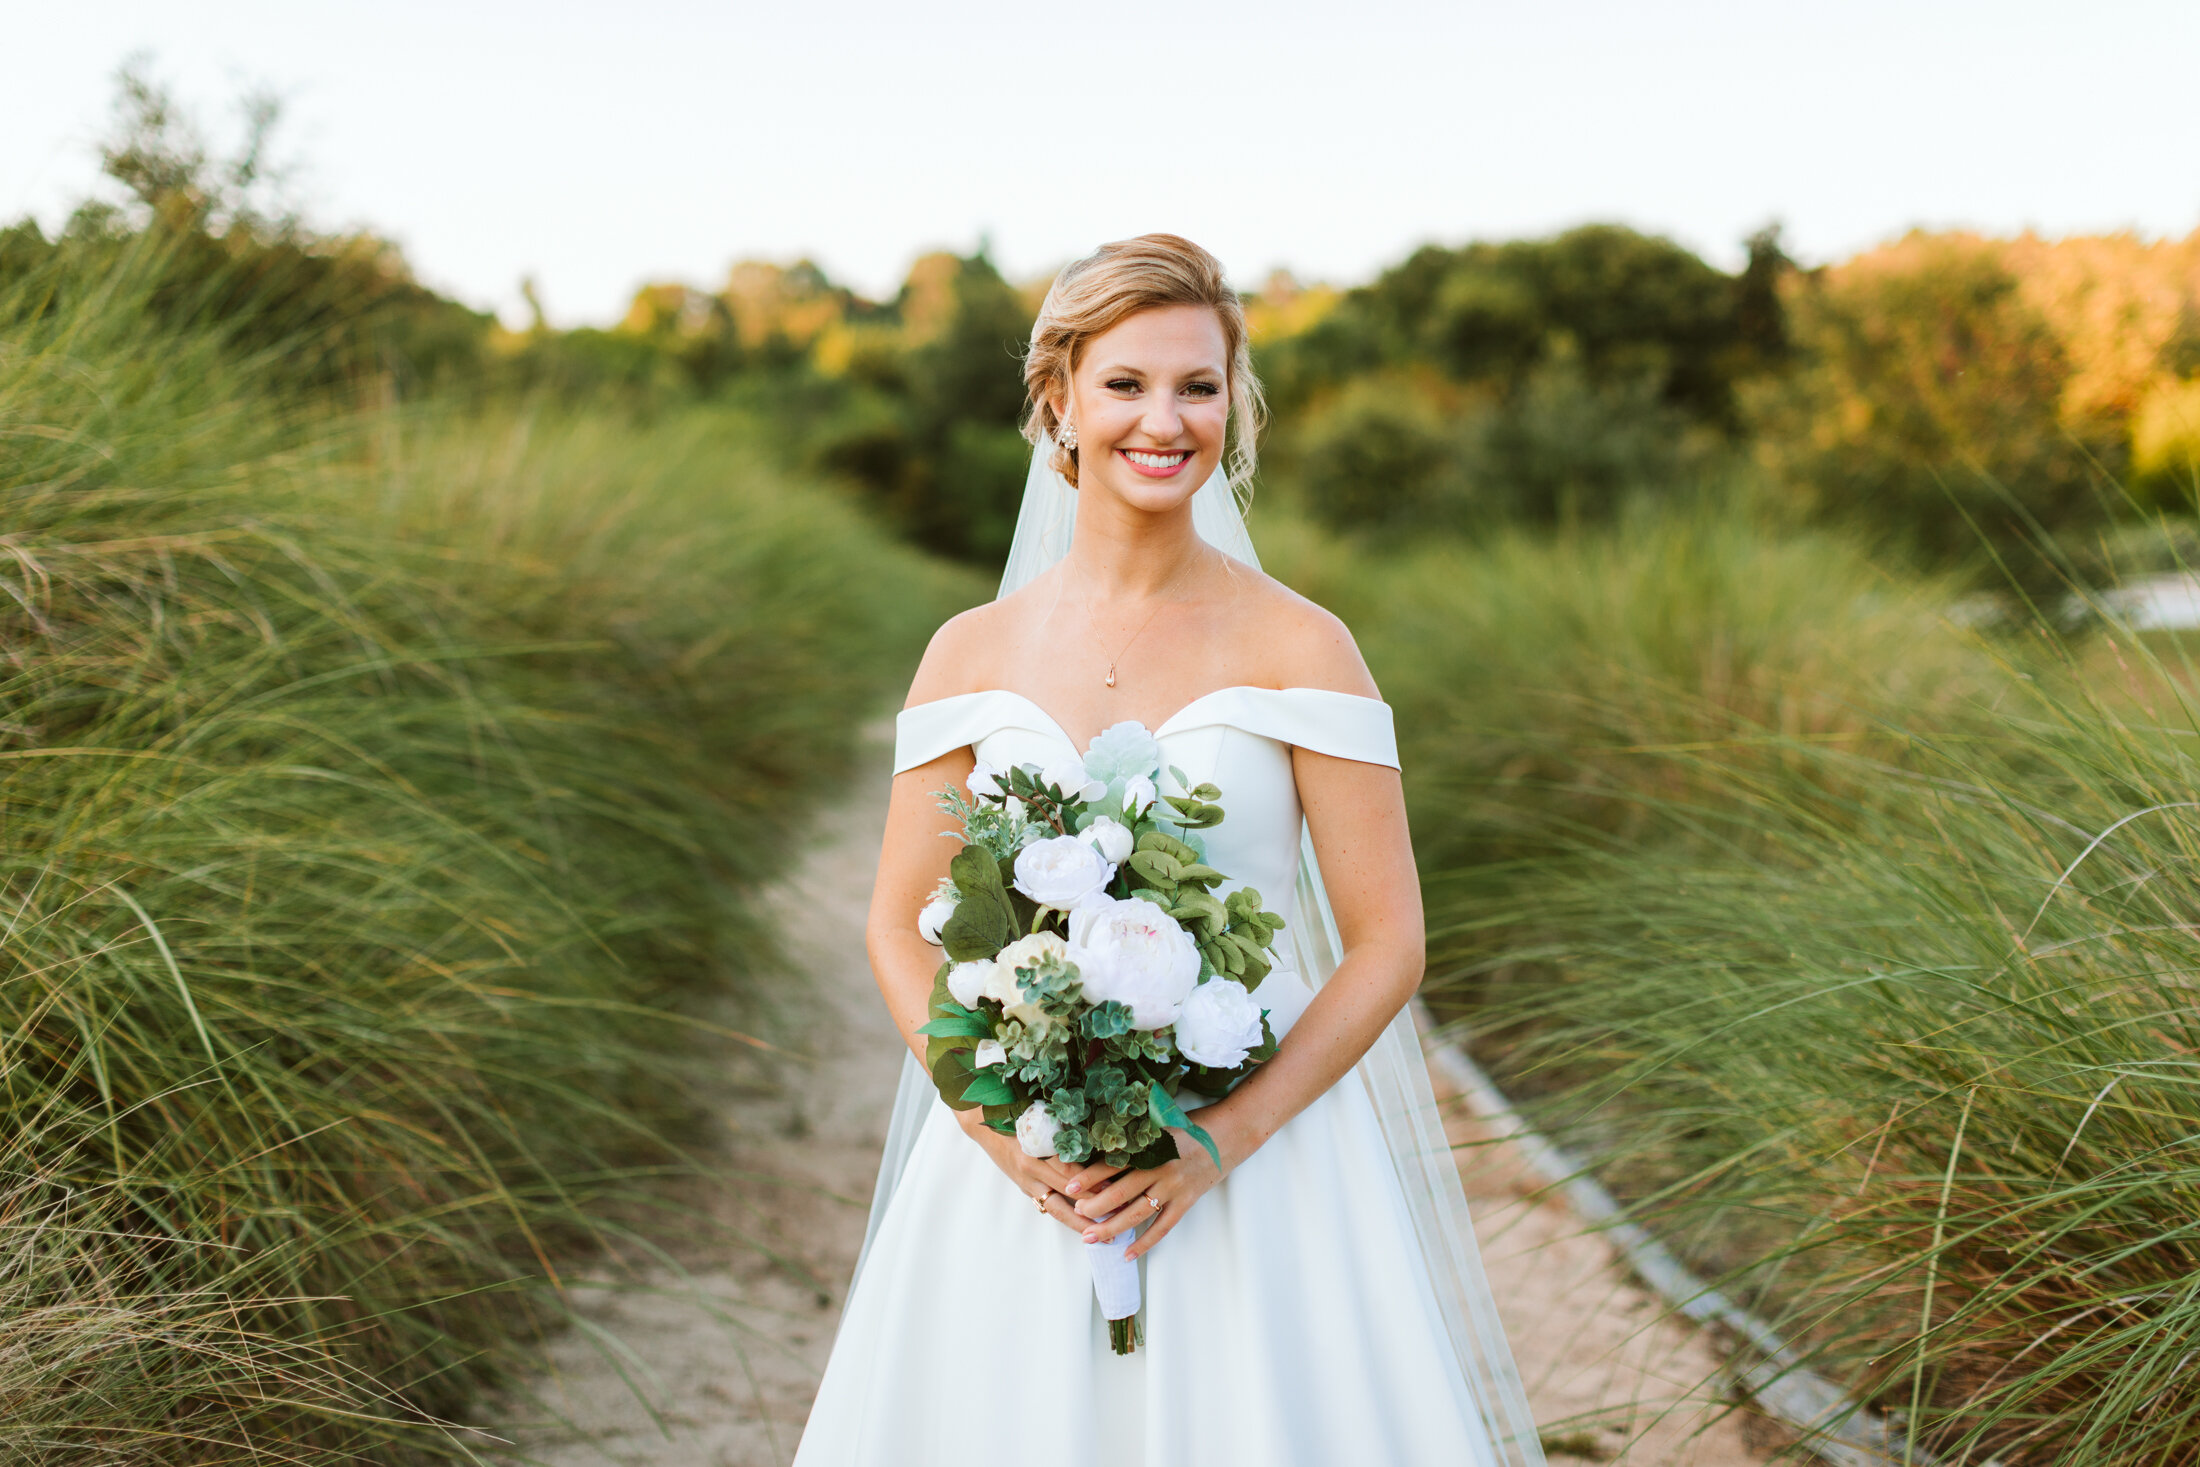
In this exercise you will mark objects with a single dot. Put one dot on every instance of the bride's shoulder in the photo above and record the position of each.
(966, 654)
(1300, 643)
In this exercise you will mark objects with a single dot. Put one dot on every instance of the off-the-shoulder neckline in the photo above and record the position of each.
(1056, 724)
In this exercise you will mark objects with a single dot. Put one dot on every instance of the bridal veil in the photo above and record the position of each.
(1394, 1072)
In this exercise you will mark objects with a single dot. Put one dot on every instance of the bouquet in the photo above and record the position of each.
(1092, 973)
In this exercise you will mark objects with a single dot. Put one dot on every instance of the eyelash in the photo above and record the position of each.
(1125, 384)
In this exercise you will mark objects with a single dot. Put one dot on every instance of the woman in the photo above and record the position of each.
(1308, 1300)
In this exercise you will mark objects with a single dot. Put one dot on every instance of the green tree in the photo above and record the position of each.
(937, 444)
(1928, 408)
(233, 256)
(1382, 458)
(1625, 306)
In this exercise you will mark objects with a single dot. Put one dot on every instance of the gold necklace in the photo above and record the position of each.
(1109, 681)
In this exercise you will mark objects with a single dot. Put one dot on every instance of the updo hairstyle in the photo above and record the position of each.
(1121, 279)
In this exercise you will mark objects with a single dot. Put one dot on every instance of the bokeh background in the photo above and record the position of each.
(466, 474)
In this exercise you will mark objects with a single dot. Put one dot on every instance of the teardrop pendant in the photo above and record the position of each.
(1111, 674)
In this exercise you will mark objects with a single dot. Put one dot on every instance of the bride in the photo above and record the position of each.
(1314, 1299)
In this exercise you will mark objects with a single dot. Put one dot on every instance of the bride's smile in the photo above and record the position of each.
(1156, 465)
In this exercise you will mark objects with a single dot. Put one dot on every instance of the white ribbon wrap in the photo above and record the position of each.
(1114, 1277)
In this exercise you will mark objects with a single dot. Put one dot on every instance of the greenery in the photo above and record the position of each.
(1109, 1084)
(398, 706)
(381, 786)
(1851, 944)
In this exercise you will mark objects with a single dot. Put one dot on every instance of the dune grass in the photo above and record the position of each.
(380, 790)
(1856, 949)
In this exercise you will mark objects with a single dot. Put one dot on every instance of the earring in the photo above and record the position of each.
(1069, 436)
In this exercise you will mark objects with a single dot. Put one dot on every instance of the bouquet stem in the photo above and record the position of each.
(1123, 1334)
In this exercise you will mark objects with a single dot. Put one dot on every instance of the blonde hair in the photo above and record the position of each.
(1118, 280)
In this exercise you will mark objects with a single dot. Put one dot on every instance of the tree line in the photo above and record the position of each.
(2006, 403)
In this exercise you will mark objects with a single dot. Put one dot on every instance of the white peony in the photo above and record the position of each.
(1134, 953)
(969, 982)
(1070, 778)
(1138, 793)
(1111, 838)
(1024, 952)
(935, 915)
(991, 1052)
(1062, 871)
(1219, 1024)
(1035, 1130)
(985, 781)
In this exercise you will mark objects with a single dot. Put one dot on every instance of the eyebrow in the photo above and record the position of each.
(1121, 371)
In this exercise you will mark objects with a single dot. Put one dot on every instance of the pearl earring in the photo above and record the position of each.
(1069, 436)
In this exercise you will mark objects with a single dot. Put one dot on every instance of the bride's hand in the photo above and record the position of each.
(1122, 1197)
(1035, 1176)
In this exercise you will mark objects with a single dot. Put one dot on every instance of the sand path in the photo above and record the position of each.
(713, 1362)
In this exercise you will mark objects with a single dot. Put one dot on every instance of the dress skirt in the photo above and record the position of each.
(1288, 1322)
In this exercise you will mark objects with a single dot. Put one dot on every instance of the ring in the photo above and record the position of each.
(1153, 1202)
(1041, 1199)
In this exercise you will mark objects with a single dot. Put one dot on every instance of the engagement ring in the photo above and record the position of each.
(1153, 1202)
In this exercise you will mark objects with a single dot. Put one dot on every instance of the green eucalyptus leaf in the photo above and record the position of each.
(1159, 867)
(1161, 840)
(986, 1088)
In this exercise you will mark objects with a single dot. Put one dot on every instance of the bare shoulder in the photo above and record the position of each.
(973, 649)
(1304, 644)
(952, 658)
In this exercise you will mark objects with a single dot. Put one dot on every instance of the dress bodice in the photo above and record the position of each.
(1239, 739)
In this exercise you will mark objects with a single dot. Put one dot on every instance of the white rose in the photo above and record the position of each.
(1111, 838)
(1138, 793)
(935, 915)
(991, 1052)
(1070, 778)
(1219, 1024)
(968, 982)
(1061, 871)
(1135, 954)
(1035, 1130)
(1024, 952)
(984, 781)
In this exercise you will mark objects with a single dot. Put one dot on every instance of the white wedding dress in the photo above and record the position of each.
(1290, 1318)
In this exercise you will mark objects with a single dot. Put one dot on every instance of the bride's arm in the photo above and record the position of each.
(912, 861)
(1357, 815)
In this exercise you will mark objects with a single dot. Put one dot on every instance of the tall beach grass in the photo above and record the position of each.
(1854, 947)
(380, 789)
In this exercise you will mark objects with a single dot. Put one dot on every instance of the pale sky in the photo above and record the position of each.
(598, 146)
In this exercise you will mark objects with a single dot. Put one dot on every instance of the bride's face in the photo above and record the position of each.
(1150, 398)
